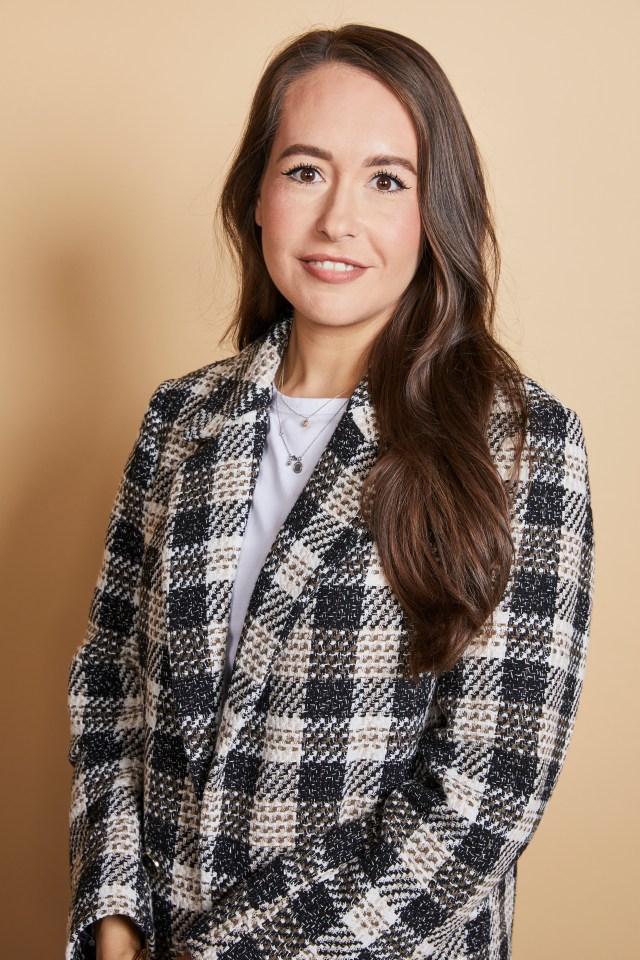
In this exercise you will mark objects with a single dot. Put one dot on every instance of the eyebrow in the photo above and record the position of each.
(379, 160)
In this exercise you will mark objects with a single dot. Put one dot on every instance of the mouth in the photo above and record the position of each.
(338, 266)
(328, 262)
(332, 269)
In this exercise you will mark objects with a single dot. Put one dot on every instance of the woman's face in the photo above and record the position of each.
(338, 201)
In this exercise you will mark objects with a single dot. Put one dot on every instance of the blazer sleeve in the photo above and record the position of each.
(488, 760)
(106, 712)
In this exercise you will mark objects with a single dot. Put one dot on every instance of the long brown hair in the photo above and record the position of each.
(434, 500)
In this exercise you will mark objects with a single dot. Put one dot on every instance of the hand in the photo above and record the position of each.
(117, 938)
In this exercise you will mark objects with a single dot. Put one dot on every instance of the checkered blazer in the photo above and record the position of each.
(329, 809)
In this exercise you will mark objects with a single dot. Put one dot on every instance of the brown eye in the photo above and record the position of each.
(388, 183)
(302, 174)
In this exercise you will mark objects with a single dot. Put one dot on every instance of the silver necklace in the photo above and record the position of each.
(295, 460)
(305, 418)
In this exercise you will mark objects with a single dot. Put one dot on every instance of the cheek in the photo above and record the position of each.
(278, 215)
(409, 235)
(279, 223)
(403, 235)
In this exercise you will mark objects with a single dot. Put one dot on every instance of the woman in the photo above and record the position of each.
(337, 643)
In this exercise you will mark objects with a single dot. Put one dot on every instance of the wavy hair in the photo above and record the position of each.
(434, 501)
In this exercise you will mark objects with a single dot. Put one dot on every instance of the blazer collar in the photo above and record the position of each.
(209, 504)
(244, 383)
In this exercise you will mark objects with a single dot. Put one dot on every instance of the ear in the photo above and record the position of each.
(258, 212)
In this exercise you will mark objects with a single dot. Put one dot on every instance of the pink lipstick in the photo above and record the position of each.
(332, 269)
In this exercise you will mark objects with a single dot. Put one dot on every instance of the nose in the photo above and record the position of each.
(338, 217)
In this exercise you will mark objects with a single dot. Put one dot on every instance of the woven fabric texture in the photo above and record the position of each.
(328, 809)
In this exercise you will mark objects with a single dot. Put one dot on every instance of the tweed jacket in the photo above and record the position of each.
(329, 807)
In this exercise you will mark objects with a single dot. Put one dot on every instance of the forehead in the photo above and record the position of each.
(341, 105)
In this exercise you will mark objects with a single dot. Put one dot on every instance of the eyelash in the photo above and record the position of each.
(381, 173)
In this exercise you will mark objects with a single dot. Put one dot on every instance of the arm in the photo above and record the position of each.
(106, 712)
(488, 759)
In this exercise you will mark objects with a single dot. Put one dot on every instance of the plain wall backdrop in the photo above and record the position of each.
(117, 122)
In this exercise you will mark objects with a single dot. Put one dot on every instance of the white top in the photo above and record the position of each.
(277, 489)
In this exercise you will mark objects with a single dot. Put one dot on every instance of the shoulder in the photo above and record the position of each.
(555, 441)
(549, 417)
(175, 401)
(554, 436)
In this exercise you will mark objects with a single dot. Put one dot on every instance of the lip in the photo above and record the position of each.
(328, 256)
(332, 276)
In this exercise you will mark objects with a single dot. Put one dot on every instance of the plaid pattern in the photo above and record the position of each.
(329, 808)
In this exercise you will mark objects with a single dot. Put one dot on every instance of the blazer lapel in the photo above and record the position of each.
(322, 525)
(209, 505)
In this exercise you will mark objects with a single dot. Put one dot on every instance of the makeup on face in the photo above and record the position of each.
(338, 204)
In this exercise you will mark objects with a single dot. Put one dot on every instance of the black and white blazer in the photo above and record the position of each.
(331, 809)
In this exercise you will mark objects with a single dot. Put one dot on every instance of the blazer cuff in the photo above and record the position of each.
(108, 889)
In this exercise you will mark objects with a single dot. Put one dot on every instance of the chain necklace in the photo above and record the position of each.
(305, 419)
(295, 460)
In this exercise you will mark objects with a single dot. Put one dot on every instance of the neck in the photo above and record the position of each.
(323, 361)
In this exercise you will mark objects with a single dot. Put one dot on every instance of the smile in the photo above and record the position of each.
(338, 265)
(332, 271)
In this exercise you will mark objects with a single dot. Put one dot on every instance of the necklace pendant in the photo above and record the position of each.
(305, 422)
(297, 467)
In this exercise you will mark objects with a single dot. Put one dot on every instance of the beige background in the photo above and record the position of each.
(117, 120)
